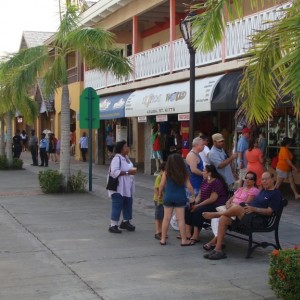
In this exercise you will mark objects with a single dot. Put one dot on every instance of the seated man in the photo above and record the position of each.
(267, 201)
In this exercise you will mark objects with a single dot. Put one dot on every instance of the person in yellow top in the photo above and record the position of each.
(285, 166)
(159, 207)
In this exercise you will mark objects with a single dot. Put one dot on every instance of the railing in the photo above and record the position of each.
(169, 58)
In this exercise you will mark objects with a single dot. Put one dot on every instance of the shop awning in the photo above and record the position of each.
(226, 92)
(204, 91)
(113, 107)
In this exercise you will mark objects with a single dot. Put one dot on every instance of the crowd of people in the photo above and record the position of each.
(48, 147)
(197, 188)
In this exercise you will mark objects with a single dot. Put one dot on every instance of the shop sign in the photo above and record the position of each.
(142, 119)
(164, 99)
(162, 118)
(121, 133)
(183, 117)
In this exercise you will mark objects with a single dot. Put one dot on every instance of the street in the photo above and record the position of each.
(58, 247)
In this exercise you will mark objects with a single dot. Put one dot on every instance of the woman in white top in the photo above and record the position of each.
(122, 168)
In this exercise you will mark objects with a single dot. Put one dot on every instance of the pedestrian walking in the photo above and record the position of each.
(83, 144)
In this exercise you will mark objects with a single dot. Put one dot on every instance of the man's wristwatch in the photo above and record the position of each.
(126, 172)
(257, 209)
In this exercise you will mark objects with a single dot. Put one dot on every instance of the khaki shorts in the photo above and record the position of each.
(242, 173)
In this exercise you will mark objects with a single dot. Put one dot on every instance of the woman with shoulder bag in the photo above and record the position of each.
(122, 168)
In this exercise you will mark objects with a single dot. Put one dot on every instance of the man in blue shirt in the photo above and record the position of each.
(220, 160)
(261, 207)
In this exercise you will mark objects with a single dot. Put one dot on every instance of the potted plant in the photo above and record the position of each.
(284, 273)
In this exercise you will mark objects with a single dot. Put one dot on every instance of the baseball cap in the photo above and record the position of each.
(217, 137)
(246, 130)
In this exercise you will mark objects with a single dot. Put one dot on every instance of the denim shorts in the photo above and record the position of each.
(282, 174)
(170, 203)
(159, 211)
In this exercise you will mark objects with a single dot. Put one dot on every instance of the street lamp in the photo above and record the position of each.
(186, 31)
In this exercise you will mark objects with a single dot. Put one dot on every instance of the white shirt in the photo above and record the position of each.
(204, 156)
(84, 142)
(126, 185)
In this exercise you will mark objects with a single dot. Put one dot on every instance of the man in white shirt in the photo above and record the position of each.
(204, 153)
(83, 144)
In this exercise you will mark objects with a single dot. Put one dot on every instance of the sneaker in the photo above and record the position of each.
(114, 229)
(127, 225)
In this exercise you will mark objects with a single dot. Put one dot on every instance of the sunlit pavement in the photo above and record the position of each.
(58, 247)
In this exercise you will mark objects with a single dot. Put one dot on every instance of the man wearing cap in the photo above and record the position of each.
(220, 159)
(242, 147)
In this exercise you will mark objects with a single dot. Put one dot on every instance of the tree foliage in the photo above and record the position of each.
(49, 62)
(273, 61)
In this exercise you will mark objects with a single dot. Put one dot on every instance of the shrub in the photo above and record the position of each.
(17, 164)
(51, 181)
(3, 162)
(77, 182)
(284, 273)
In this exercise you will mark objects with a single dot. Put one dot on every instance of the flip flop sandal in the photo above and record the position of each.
(217, 255)
(185, 245)
(194, 242)
(163, 244)
(209, 247)
(157, 236)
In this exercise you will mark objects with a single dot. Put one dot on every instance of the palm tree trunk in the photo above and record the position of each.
(65, 133)
(2, 141)
(9, 139)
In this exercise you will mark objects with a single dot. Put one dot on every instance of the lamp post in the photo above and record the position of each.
(186, 31)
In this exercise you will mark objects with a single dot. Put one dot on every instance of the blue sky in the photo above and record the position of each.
(17, 16)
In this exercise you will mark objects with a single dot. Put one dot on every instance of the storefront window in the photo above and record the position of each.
(284, 123)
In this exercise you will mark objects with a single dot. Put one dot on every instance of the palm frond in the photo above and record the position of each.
(82, 39)
(108, 60)
(210, 22)
(273, 68)
(22, 68)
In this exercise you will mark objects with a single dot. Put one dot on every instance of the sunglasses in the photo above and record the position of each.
(249, 178)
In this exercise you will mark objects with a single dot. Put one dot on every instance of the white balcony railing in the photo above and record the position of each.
(173, 57)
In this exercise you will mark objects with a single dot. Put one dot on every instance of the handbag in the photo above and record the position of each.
(112, 183)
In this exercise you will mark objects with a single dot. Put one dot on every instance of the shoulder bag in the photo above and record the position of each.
(112, 183)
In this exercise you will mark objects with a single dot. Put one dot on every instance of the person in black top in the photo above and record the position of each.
(17, 144)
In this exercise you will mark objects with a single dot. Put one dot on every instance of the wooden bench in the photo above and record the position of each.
(245, 233)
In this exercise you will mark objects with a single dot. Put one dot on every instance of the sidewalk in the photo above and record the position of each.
(58, 247)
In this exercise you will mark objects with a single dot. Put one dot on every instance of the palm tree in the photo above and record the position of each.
(273, 66)
(49, 62)
(9, 105)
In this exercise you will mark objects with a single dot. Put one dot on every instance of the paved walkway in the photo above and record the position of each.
(58, 247)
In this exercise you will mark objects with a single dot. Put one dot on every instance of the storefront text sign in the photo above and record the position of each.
(162, 118)
(160, 100)
(142, 119)
(183, 117)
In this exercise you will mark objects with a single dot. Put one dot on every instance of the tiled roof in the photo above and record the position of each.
(34, 38)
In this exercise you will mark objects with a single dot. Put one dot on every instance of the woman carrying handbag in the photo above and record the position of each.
(121, 199)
